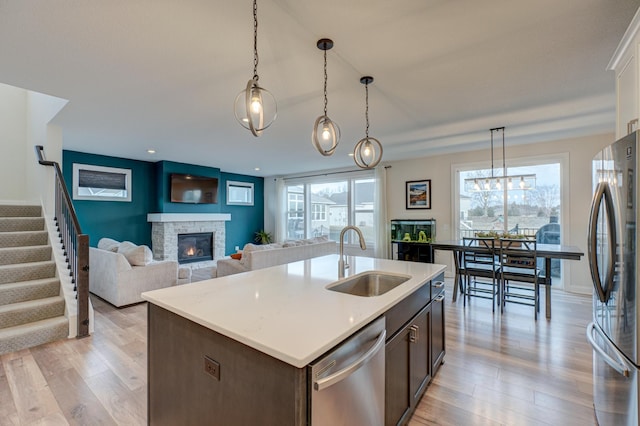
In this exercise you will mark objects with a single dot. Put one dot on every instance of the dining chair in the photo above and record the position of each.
(480, 269)
(519, 273)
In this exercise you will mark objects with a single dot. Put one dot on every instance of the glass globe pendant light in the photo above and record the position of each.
(255, 107)
(326, 133)
(368, 151)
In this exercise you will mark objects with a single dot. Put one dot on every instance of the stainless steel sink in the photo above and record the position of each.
(369, 284)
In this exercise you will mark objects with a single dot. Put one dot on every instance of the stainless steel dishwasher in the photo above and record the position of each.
(347, 384)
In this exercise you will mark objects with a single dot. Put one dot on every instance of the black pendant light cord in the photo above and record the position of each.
(255, 40)
(325, 82)
(492, 130)
(504, 163)
(366, 111)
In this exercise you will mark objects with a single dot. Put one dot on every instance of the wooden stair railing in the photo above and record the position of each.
(75, 244)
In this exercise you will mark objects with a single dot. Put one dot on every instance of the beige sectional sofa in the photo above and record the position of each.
(262, 256)
(120, 272)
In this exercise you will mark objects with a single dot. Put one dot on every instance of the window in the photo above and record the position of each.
(295, 212)
(325, 205)
(239, 193)
(101, 183)
(318, 212)
(530, 211)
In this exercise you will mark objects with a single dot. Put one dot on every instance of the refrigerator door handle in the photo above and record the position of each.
(603, 193)
(620, 365)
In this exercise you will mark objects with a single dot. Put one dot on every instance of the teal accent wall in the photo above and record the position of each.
(150, 194)
(115, 219)
(163, 195)
(245, 220)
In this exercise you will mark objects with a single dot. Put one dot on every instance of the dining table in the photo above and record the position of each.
(547, 252)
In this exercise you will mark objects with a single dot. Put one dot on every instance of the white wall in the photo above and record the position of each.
(13, 128)
(580, 151)
(40, 110)
(24, 123)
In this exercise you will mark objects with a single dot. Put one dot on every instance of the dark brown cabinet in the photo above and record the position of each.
(414, 351)
(397, 374)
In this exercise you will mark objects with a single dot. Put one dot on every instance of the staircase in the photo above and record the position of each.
(32, 311)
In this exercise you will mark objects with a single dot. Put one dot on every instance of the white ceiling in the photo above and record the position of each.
(163, 74)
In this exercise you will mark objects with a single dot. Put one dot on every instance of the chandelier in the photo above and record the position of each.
(498, 183)
(326, 133)
(368, 151)
(255, 107)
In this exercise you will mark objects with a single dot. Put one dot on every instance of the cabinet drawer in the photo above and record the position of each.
(437, 286)
(406, 309)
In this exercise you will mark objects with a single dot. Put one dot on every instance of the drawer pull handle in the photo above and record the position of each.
(439, 284)
(413, 333)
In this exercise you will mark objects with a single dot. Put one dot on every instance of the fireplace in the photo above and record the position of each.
(195, 247)
(167, 226)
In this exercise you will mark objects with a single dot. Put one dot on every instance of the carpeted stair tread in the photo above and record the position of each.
(31, 310)
(24, 238)
(17, 224)
(19, 211)
(29, 290)
(27, 271)
(33, 334)
(27, 254)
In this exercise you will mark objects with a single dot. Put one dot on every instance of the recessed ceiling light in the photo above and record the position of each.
(151, 151)
(257, 169)
(350, 154)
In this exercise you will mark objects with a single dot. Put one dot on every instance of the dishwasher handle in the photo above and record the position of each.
(347, 371)
(619, 365)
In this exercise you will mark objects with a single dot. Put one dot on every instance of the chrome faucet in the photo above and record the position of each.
(342, 265)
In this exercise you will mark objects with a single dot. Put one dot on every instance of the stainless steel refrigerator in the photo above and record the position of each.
(612, 241)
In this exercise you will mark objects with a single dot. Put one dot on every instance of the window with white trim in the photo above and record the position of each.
(100, 183)
(324, 205)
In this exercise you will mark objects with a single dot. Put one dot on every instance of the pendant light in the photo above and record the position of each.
(496, 183)
(255, 107)
(326, 133)
(368, 151)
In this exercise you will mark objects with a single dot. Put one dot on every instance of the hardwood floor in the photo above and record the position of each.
(499, 370)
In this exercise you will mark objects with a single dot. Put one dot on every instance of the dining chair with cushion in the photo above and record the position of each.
(480, 269)
(519, 273)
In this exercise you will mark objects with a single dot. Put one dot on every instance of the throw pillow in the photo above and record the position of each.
(236, 256)
(108, 244)
(136, 255)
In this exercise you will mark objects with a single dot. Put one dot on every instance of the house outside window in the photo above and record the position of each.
(319, 212)
(295, 211)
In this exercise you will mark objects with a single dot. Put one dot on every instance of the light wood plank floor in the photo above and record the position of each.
(499, 370)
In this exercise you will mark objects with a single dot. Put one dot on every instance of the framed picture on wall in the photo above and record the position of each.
(418, 194)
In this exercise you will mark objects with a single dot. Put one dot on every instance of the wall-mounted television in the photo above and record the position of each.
(193, 189)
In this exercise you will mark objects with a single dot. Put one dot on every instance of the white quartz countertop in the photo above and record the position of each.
(286, 311)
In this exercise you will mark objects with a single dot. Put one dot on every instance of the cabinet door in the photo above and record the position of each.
(437, 333)
(397, 397)
(627, 91)
(420, 353)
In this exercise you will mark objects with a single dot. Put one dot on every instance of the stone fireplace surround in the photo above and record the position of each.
(165, 228)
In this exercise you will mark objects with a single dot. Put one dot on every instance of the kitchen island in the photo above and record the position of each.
(236, 348)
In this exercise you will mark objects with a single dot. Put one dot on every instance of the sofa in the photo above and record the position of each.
(120, 271)
(262, 256)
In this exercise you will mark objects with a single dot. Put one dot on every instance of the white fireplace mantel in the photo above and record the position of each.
(188, 217)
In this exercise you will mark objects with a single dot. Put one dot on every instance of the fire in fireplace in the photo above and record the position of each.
(195, 247)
